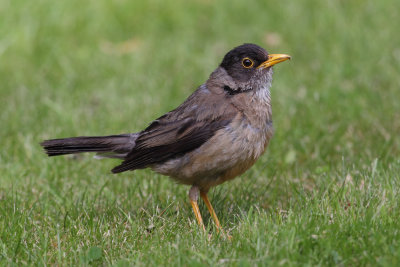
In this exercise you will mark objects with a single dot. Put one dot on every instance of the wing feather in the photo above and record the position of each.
(164, 141)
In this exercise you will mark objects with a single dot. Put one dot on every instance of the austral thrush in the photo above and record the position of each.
(215, 135)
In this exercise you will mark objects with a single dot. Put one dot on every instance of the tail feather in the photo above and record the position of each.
(116, 146)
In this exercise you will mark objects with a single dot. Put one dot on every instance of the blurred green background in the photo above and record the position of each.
(326, 192)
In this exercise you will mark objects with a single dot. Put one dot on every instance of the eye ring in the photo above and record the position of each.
(247, 63)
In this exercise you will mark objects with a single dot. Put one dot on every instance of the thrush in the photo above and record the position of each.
(215, 135)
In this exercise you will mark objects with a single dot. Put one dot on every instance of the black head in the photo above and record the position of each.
(243, 62)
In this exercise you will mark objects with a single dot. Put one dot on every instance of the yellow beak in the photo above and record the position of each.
(273, 59)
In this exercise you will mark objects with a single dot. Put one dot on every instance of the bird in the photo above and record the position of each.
(215, 135)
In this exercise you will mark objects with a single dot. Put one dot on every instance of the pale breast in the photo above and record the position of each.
(229, 153)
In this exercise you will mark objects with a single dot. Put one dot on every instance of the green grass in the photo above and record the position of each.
(325, 193)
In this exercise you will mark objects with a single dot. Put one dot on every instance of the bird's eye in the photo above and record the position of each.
(247, 63)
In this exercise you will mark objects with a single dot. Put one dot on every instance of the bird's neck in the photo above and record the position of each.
(261, 104)
(254, 100)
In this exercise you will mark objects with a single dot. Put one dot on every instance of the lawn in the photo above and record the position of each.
(326, 192)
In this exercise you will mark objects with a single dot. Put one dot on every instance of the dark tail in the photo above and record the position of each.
(114, 146)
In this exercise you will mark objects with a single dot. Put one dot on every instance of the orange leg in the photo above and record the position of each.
(194, 196)
(197, 213)
(211, 210)
(213, 214)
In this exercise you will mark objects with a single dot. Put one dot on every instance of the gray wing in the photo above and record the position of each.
(169, 141)
(179, 131)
